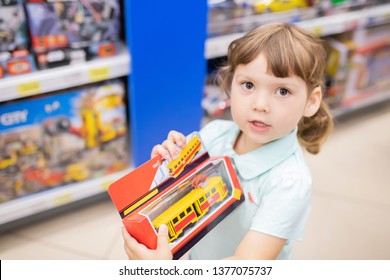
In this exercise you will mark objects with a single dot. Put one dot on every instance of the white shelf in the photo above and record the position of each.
(64, 77)
(366, 101)
(50, 80)
(342, 22)
(323, 26)
(39, 202)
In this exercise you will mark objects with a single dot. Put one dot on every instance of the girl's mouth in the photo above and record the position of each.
(259, 126)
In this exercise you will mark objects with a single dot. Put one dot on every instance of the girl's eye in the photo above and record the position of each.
(248, 85)
(283, 91)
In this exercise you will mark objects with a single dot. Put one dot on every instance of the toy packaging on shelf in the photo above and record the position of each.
(330, 7)
(66, 137)
(370, 64)
(73, 31)
(232, 16)
(15, 58)
(190, 195)
(278, 6)
(337, 68)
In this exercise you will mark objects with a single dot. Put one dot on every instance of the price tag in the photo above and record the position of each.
(317, 29)
(29, 88)
(63, 199)
(105, 185)
(98, 74)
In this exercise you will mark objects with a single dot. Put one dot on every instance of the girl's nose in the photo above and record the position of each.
(261, 104)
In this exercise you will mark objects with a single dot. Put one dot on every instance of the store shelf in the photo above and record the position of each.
(246, 22)
(65, 77)
(37, 203)
(149, 71)
(364, 100)
(340, 23)
(323, 26)
(50, 80)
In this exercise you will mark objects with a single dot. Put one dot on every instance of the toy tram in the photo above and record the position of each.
(193, 206)
(176, 166)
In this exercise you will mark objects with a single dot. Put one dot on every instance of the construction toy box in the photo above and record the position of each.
(73, 31)
(190, 194)
(66, 137)
(15, 57)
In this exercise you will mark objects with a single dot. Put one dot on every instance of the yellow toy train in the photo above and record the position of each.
(193, 206)
(177, 165)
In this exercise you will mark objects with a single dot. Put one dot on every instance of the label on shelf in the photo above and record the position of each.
(63, 199)
(29, 88)
(97, 74)
(104, 185)
(317, 29)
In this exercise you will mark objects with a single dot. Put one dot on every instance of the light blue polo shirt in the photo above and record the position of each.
(277, 187)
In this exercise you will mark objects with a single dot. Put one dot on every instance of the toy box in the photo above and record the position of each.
(15, 58)
(67, 137)
(72, 31)
(370, 64)
(369, 74)
(190, 194)
(337, 67)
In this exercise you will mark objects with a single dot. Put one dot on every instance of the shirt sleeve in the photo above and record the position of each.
(284, 206)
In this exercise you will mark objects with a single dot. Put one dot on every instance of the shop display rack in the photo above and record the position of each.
(163, 59)
(49, 80)
(370, 99)
(216, 46)
(37, 203)
(328, 25)
(154, 84)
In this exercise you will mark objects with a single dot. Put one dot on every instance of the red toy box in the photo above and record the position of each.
(190, 194)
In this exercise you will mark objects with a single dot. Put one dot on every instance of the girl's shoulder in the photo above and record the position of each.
(295, 164)
(293, 174)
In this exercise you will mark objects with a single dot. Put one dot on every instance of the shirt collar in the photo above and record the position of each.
(256, 162)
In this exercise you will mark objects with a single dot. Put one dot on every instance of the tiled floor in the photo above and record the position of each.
(350, 217)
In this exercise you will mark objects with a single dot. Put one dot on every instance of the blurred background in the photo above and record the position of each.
(82, 89)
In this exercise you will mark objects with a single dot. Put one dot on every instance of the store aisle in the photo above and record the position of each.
(350, 217)
(351, 199)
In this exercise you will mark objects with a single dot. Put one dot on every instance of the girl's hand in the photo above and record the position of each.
(168, 148)
(138, 251)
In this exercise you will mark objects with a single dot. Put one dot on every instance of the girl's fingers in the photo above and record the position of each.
(177, 138)
(129, 242)
(168, 149)
(163, 249)
(134, 249)
(162, 241)
(171, 148)
(159, 150)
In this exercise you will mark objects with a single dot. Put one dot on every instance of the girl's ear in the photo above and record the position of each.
(313, 102)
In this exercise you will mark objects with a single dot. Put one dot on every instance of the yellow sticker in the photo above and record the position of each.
(317, 29)
(98, 74)
(29, 88)
(105, 185)
(237, 194)
(63, 199)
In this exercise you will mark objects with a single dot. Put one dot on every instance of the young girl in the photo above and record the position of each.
(274, 77)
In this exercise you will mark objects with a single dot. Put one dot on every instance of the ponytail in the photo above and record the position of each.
(313, 131)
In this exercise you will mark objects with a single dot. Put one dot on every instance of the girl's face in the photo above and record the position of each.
(265, 107)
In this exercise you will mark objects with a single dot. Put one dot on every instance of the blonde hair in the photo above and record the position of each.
(289, 50)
